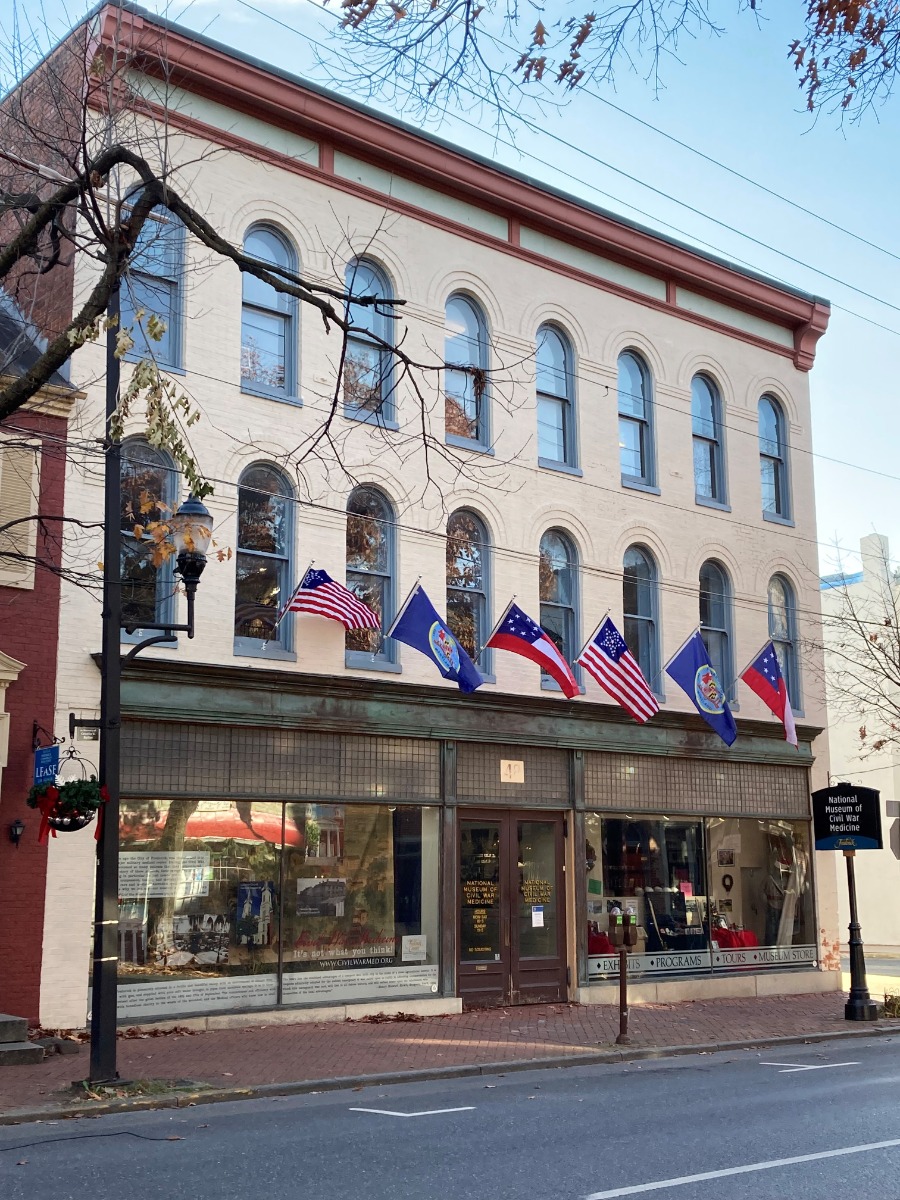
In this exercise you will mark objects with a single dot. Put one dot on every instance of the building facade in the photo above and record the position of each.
(870, 594)
(314, 819)
(32, 481)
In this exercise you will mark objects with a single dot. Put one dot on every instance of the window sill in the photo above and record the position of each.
(550, 685)
(251, 648)
(638, 485)
(370, 418)
(278, 397)
(550, 464)
(451, 439)
(360, 661)
(487, 676)
(707, 502)
(777, 520)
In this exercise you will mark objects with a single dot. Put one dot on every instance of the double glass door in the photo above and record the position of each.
(512, 906)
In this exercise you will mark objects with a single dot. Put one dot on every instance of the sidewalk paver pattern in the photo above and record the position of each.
(289, 1053)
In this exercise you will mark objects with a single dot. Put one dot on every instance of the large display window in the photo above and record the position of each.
(233, 904)
(714, 894)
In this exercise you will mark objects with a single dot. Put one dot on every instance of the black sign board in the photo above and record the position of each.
(847, 818)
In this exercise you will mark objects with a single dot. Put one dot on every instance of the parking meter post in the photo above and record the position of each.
(626, 939)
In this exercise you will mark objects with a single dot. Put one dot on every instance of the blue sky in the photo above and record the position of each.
(736, 99)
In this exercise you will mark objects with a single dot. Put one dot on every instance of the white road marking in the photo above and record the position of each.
(822, 1067)
(640, 1188)
(431, 1112)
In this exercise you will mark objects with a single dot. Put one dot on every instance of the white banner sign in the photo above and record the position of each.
(765, 956)
(179, 873)
(684, 960)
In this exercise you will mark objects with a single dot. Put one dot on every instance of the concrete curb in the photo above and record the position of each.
(578, 1058)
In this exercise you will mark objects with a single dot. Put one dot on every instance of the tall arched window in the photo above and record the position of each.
(558, 581)
(370, 570)
(640, 596)
(715, 619)
(636, 453)
(153, 282)
(783, 632)
(467, 581)
(773, 459)
(555, 395)
(465, 382)
(268, 336)
(368, 374)
(149, 495)
(706, 423)
(264, 520)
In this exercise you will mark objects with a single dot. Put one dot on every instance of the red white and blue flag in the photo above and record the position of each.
(319, 594)
(520, 635)
(764, 677)
(608, 659)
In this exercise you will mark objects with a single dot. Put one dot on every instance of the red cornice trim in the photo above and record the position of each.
(245, 87)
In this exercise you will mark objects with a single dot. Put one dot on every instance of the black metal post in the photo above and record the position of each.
(860, 1006)
(106, 902)
(623, 1039)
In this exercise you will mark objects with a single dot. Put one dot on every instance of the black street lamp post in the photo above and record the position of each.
(191, 531)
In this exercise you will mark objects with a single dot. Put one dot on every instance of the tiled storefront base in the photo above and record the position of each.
(725, 987)
(426, 1007)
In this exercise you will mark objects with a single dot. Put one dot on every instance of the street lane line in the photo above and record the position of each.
(431, 1112)
(821, 1067)
(762, 1064)
(639, 1189)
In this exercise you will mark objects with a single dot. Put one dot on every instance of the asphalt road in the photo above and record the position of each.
(704, 1127)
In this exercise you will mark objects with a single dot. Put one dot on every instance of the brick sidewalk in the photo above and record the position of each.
(289, 1053)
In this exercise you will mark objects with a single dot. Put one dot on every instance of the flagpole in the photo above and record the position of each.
(761, 650)
(403, 607)
(593, 635)
(496, 627)
(287, 603)
(670, 660)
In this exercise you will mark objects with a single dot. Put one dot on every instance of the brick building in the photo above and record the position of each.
(317, 820)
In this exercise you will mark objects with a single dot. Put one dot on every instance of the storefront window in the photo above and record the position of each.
(760, 893)
(652, 866)
(233, 904)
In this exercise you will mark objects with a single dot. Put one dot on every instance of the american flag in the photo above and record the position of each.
(612, 664)
(319, 594)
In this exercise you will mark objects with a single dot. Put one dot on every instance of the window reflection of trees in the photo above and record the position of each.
(369, 554)
(466, 581)
(556, 570)
(148, 492)
(263, 553)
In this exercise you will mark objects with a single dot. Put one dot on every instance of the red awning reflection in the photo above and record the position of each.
(221, 824)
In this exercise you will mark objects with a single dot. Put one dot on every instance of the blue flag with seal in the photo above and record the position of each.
(418, 625)
(695, 675)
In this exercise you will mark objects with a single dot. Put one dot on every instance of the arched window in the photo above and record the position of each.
(153, 283)
(555, 395)
(773, 459)
(370, 570)
(783, 632)
(467, 581)
(640, 596)
(465, 384)
(264, 522)
(268, 337)
(715, 620)
(558, 581)
(368, 374)
(636, 455)
(706, 422)
(149, 495)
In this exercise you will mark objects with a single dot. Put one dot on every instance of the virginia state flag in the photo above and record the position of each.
(694, 674)
(418, 625)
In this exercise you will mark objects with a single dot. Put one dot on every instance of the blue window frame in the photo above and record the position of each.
(465, 380)
(264, 545)
(368, 365)
(268, 320)
(152, 286)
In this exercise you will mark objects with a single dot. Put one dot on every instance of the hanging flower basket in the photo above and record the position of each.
(68, 806)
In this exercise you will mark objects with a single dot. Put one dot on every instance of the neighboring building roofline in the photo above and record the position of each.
(839, 580)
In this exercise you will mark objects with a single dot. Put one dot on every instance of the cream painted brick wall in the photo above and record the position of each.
(517, 500)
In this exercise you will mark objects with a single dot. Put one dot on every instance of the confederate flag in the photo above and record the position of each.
(764, 677)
